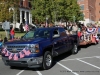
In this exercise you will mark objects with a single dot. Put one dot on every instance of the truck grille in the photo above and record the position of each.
(17, 51)
(15, 46)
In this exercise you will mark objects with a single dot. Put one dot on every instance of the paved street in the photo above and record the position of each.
(86, 62)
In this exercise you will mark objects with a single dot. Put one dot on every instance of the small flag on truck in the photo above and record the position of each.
(15, 56)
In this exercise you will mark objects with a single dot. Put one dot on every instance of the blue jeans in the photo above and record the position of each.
(12, 37)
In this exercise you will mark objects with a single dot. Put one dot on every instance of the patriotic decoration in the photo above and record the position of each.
(4, 50)
(16, 56)
(96, 37)
(91, 30)
(26, 26)
(26, 51)
(21, 54)
(10, 56)
(7, 53)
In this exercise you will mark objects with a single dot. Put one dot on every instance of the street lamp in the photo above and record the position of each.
(46, 21)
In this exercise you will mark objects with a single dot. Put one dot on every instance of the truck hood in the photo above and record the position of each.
(27, 41)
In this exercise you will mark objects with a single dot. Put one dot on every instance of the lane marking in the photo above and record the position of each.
(98, 57)
(20, 72)
(67, 68)
(80, 58)
(88, 64)
(39, 73)
(68, 59)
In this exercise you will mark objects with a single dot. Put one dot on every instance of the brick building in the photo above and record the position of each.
(91, 10)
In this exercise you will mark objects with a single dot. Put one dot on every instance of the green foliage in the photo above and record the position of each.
(55, 9)
(4, 9)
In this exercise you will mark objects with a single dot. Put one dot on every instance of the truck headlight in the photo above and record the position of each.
(34, 48)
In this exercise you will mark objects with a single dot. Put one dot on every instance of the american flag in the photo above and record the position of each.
(21, 54)
(4, 50)
(15, 56)
(7, 53)
(11, 56)
(26, 26)
(26, 51)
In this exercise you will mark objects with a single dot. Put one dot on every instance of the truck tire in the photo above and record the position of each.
(47, 60)
(74, 49)
(12, 67)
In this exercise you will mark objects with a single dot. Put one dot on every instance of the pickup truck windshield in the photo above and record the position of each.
(37, 34)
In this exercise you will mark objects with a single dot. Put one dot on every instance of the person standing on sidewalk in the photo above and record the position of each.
(74, 28)
(12, 33)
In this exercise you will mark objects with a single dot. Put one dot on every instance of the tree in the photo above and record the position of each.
(4, 9)
(42, 9)
(68, 10)
(71, 11)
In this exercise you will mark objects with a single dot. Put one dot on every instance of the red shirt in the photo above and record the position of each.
(12, 32)
(79, 33)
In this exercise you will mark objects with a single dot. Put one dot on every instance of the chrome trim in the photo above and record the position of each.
(10, 46)
(18, 47)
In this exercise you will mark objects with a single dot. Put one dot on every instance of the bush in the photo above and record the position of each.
(1, 29)
(16, 29)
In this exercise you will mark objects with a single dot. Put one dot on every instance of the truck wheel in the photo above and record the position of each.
(12, 67)
(75, 49)
(47, 60)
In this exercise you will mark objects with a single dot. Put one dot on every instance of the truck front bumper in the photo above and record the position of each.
(33, 62)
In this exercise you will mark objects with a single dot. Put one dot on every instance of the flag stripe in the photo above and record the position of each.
(26, 26)
(15, 56)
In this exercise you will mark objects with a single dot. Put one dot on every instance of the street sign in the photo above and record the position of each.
(6, 25)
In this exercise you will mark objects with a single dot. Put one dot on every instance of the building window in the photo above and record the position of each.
(21, 3)
(29, 4)
(82, 7)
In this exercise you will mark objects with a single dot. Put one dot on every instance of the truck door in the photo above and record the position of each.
(69, 42)
(59, 42)
(65, 39)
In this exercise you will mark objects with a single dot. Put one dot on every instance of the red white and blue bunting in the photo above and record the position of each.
(91, 30)
(16, 56)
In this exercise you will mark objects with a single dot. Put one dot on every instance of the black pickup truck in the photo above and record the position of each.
(43, 44)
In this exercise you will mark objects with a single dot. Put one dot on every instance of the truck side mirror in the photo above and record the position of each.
(56, 36)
